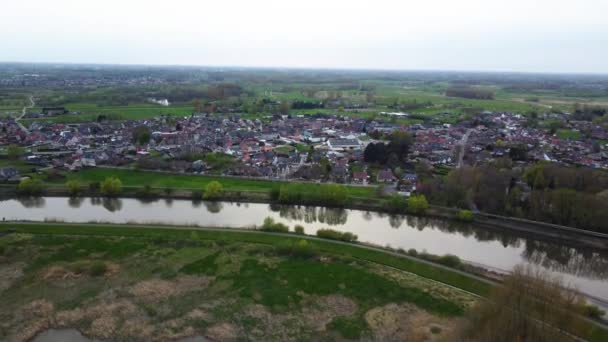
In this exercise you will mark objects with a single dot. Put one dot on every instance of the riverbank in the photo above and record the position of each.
(164, 283)
(369, 202)
(161, 235)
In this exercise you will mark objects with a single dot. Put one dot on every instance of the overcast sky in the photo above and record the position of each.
(496, 35)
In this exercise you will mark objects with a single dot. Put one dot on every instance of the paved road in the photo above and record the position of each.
(462, 144)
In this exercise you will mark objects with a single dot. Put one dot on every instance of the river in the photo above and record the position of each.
(583, 268)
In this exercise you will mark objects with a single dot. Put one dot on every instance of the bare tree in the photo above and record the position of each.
(530, 306)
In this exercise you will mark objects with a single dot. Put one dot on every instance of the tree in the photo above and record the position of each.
(396, 203)
(325, 165)
(141, 135)
(197, 105)
(74, 187)
(417, 204)
(30, 187)
(399, 144)
(13, 152)
(213, 190)
(111, 186)
(530, 306)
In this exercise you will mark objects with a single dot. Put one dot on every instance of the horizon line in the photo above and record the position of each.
(304, 68)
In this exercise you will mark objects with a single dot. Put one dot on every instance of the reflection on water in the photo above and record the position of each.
(61, 335)
(214, 207)
(75, 202)
(32, 202)
(586, 269)
(309, 214)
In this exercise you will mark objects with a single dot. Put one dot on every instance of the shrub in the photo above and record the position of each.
(450, 260)
(30, 187)
(592, 311)
(270, 225)
(94, 186)
(197, 195)
(336, 235)
(14, 152)
(396, 203)
(298, 249)
(412, 252)
(299, 229)
(417, 204)
(145, 192)
(98, 268)
(74, 187)
(214, 190)
(465, 215)
(111, 186)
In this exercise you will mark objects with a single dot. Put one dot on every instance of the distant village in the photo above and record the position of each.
(313, 147)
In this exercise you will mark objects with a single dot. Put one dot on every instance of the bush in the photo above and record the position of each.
(299, 229)
(412, 252)
(396, 203)
(30, 187)
(417, 204)
(213, 190)
(465, 215)
(74, 187)
(336, 235)
(94, 186)
(592, 311)
(270, 226)
(197, 195)
(449, 260)
(98, 268)
(111, 186)
(298, 249)
(145, 192)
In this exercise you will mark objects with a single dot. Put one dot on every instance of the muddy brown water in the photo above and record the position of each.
(497, 250)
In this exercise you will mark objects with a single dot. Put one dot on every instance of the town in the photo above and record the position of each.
(320, 147)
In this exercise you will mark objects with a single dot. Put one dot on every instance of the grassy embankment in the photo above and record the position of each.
(250, 267)
(133, 178)
(233, 273)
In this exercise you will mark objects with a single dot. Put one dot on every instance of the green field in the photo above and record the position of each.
(568, 134)
(161, 180)
(90, 112)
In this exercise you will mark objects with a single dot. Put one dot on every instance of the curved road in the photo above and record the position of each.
(23, 112)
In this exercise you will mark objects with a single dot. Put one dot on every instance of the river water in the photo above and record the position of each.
(583, 268)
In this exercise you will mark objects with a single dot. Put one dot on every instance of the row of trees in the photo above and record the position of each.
(544, 192)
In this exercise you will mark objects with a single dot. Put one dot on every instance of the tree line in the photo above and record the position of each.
(545, 192)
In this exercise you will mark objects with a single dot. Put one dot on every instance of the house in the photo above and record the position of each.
(412, 177)
(386, 176)
(360, 177)
(339, 144)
